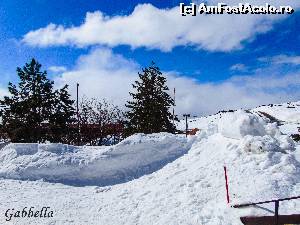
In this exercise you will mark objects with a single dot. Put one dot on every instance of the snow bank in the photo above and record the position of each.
(138, 155)
(239, 124)
(255, 134)
(134, 157)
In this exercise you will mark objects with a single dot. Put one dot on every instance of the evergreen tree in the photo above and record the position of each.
(34, 107)
(149, 109)
(62, 116)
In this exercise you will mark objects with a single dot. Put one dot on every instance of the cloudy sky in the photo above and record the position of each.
(215, 62)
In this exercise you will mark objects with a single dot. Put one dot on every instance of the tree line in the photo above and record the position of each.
(36, 112)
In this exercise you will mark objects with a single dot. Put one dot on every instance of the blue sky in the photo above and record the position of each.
(21, 16)
(215, 55)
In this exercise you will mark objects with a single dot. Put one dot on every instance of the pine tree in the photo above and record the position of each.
(33, 108)
(62, 115)
(149, 110)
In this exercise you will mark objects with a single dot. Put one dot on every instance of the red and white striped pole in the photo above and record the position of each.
(226, 183)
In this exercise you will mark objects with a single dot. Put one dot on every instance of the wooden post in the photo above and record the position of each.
(276, 212)
(186, 123)
(226, 184)
(77, 109)
(269, 220)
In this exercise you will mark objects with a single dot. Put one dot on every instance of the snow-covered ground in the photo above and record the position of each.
(288, 112)
(186, 185)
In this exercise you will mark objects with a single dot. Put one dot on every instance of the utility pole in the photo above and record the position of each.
(77, 110)
(174, 109)
(186, 123)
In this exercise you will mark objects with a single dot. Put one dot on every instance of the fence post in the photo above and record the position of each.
(226, 184)
(276, 212)
(77, 111)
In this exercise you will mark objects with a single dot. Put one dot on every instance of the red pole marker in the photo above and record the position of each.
(226, 180)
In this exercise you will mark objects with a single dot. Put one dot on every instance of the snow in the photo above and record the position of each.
(132, 158)
(159, 178)
(289, 112)
(239, 124)
(289, 128)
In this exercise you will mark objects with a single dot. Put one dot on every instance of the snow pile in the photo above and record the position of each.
(138, 155)
(239, 124)
(260, 144)
(255, 134)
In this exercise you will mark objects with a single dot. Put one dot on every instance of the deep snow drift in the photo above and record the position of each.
(260, 161)
(136, 156)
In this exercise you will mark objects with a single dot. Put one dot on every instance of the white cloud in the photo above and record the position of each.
(3, 92)
(238, 67)
(57, 69)
(261, 81)
(103, 74)
(164, 29)
(208, 98)
(282, 59)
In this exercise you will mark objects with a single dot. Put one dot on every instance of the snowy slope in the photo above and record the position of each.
(261, 162)
(288, 113)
